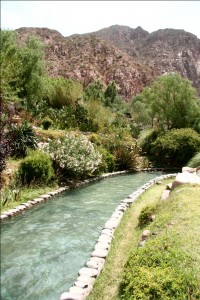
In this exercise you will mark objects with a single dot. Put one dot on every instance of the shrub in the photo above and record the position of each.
(46, 123)
(194, 162)
(127, 156)
(74, 156)
(159, 271)
(146, 214)
(36, 169)
(23, 138)
(108, 163)
(176, 147)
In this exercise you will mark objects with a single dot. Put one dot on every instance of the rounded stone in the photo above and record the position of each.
(107, 232)
(77, 290)
(104, 238)
(86, 279)
(88, 271)
(100, 253)
(70, 296)
(102, 246)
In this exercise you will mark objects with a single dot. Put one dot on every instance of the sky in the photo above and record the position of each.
(71, 17)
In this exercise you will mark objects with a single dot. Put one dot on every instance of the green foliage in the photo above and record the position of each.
(9, 195)
(110, 94)
(171, 101)
(74, 156)
(24, 137)
(46, 123)
(31, 85)
(176, 147)
(101, 116)
(22, 68)
(36, 169)
(127, 155)
(10, 65)
(108, 164)
(146, 214)
(94, 91)
(159, 271)
(194, 162)
(62, 92)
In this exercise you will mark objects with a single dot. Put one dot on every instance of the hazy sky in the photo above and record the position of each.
(70, 17)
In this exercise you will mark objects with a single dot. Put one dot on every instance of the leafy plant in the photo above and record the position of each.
(9, 195)
(108, 163)
(127, 156)
(24, 137)
(36, 169)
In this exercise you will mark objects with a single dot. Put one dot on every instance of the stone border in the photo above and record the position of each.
(29, 204)
(87, 275)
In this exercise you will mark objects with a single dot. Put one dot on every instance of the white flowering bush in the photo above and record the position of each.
(74, 155)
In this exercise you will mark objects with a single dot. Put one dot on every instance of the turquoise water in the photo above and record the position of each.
(43, 249)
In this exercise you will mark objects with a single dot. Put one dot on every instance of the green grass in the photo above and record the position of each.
(28, 194)
(178, 219)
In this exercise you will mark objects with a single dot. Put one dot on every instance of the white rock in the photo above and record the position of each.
(70, 296)
(88, 271)
(165, 195)
(100, 253)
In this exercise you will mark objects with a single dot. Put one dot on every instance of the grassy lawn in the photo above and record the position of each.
(177, 218)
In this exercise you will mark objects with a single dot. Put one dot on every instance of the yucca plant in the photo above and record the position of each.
(23, 138)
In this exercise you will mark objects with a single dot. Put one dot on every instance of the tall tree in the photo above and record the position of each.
(171, 101)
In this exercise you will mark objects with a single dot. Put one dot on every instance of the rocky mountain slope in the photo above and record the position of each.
(164, 51)
(130, 57)
(86, 58)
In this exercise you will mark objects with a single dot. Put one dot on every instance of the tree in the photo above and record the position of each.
(11, 66)
(94, 91)
(171, 101)
(22, 69)
(110, 94)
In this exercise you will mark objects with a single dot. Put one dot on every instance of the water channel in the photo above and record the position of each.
(43, 249)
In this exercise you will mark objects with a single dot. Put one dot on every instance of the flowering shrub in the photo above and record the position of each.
(74, 155)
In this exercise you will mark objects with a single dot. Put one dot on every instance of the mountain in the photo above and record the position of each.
(130, 57)
(164, 51)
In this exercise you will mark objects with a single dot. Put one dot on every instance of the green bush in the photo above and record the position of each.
(194, 162)
(146, 214)
(108, 163)
(159, 271)
(176, 147)
(46, 123)
(173, 148)
(36, 169)
(24, 138)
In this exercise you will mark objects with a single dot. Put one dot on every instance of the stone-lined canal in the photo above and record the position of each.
(43, 249)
